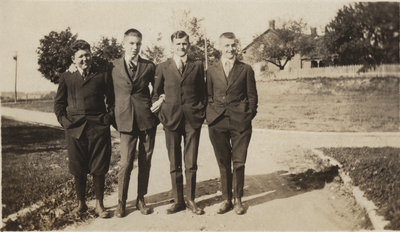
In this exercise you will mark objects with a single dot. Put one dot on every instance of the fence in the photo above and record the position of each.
(350, 71)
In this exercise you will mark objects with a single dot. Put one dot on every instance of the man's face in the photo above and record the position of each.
(228, 47)
(82, 59)
(180, 46)
(131, 45)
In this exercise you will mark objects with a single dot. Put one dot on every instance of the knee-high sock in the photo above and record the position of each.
(99, 186)
(80, 187)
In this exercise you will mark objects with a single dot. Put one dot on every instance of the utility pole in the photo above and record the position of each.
(16, 74)
(205, 49)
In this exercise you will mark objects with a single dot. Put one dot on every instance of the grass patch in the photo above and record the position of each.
(376, 171)
(340, 105)
(35, 169)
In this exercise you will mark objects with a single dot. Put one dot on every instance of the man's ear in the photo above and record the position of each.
(73, 59)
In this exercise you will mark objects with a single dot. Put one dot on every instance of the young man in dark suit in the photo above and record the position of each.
(81, 110)
(232, 104)
(182, 113)
(131, 77)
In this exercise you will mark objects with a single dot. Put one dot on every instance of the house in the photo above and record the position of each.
(296, 62)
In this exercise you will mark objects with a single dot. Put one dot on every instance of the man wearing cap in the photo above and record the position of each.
(84, 107)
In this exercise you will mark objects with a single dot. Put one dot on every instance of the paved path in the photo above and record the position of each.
(273, 203)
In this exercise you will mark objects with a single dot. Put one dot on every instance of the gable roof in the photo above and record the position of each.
(256, 39)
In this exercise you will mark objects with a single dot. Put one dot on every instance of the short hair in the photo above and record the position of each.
(228, 35)
(79, 45)
(179, 35)
(133, 32)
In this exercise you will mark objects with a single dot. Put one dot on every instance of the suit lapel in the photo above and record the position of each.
(235, 72)
(140, 69)
(120, 66)
(88, 78)
(220, 73)
(188, 69)
(173, 69)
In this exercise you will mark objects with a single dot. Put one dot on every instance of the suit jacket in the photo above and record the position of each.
(185, 95)
(234, 96)
(80, 102)
(132, 96)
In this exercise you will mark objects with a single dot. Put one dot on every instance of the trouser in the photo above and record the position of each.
(191, 137)
(90, 153)
(145, 152)
(230, 146)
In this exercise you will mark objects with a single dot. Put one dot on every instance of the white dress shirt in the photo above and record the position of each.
(180, 60)
(227, 64)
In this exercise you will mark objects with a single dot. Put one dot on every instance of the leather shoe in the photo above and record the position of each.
(120, 211)
(102, 213)
(82, 207)
(141, 205)
(238, 207)
(176, 207)
(225, 207)
(194, 208)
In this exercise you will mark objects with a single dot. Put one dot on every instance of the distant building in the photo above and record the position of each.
(297, 62)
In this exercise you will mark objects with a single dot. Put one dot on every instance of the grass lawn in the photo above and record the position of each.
(376, 171)
(355, 105)
(35, 168)
(319, 104)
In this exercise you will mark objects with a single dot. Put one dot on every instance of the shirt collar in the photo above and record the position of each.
(224, 60)
(81, 70)
(135, 60)
(178, 59)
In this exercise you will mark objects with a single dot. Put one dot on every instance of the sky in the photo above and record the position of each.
(24, 23)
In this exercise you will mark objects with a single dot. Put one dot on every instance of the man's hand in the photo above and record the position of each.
(157, 104)
(72, 68)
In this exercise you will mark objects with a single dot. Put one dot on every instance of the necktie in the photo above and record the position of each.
(84, 74)
(181, 67)
(133, 68)
(227, 68)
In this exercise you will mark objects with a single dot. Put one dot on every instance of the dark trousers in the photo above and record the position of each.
(128, 150)
(191, 137)
(230, 146)
(90, 153)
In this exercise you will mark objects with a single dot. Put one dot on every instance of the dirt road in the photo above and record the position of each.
(275, 200)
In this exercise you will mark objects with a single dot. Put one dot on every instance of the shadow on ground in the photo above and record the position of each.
(259, 189)
(17, 137)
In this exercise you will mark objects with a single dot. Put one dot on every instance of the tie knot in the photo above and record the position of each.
(132, 66)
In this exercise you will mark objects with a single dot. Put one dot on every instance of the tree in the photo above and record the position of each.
(155, 53)
(55, 53)
(108, 49)
(192, 25)
(279, 46)
(365, 33)
(105, 51)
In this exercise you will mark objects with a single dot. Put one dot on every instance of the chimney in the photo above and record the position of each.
(272, 24)
(314, 32)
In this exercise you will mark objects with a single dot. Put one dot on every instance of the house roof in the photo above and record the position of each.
(256, 39)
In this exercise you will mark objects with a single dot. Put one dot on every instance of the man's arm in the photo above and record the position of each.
(109, 91)
(60, 102)
(252, 91)
(158, 90)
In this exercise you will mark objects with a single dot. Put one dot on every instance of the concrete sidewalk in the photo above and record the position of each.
(273, 203)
